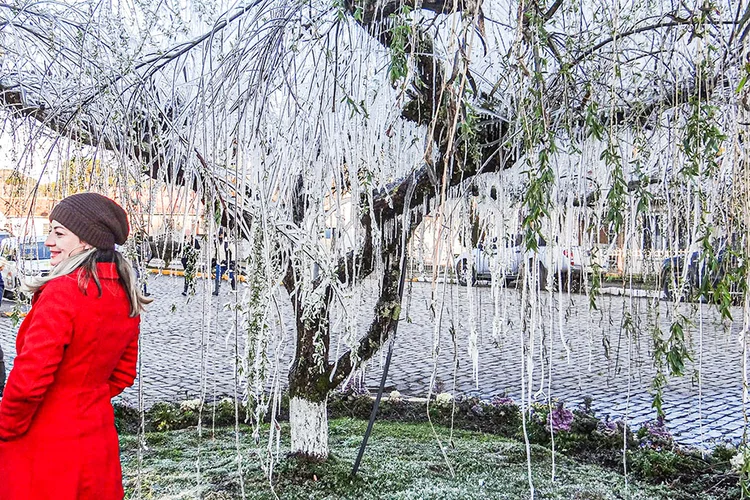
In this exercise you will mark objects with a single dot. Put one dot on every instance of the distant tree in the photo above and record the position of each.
(82, 174)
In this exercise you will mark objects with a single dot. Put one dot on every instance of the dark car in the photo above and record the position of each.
(701, 279)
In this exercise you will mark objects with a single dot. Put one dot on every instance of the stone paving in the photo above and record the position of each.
(190, 347)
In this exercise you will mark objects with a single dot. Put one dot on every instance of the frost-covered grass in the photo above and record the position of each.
(402, 461)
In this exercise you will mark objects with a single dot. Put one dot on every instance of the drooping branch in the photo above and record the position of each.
(360, 263)
(154, 160)
(386, 310)
(157, 62)
(73, 126)
(642, 113)
(676, 21)
(428, 97)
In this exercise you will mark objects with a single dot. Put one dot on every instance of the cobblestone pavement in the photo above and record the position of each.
(189, 348)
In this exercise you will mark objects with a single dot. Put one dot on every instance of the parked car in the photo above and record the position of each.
(566, 263)
(21, 260)
(687, 284)
(481, 261)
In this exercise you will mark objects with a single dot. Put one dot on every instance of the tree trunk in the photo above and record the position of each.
(308, 376)
(309, 428)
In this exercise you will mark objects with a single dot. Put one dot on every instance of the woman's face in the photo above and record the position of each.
(63, 243)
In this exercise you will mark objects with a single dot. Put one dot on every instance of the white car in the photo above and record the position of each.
(21, 260)
(505, 261)
(567, 263)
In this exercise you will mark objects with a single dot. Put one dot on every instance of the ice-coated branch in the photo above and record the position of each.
(387, 311)
(75, 127)
(673, 22)
(157, 62)
(154, 161)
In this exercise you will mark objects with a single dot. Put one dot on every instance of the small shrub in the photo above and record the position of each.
(225, 412)
(654, 434)
(560, 418)
(163, 417)
(536, 425)
(501, 401)
(444, 399)
(127, 419)
(722, 455)
(583, 423)
(654, 465)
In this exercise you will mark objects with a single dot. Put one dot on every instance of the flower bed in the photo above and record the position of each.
(650, 453)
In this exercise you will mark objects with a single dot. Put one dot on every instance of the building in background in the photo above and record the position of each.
(25, 205)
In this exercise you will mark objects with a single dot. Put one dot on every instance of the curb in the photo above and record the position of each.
(610, 290)
(607, 290)
(177, 272)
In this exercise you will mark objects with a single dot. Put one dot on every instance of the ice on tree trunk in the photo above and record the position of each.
(309, 428)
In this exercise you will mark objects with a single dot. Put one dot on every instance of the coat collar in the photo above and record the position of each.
(107, 270)
(104, 270)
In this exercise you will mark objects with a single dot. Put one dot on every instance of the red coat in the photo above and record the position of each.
(57, 432)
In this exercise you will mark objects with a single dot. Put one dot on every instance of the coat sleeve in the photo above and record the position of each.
(125, 372)
(48, 333)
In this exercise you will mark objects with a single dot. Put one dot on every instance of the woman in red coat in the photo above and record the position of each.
(76, 349)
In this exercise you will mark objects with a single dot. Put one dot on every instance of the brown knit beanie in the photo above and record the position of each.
(94, 218)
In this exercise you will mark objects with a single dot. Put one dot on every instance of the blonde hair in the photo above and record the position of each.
(87, 260)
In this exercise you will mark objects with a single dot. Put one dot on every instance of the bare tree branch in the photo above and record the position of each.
(676, 21)
(552, 9)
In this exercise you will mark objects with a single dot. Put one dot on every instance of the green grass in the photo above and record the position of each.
(402, 461)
